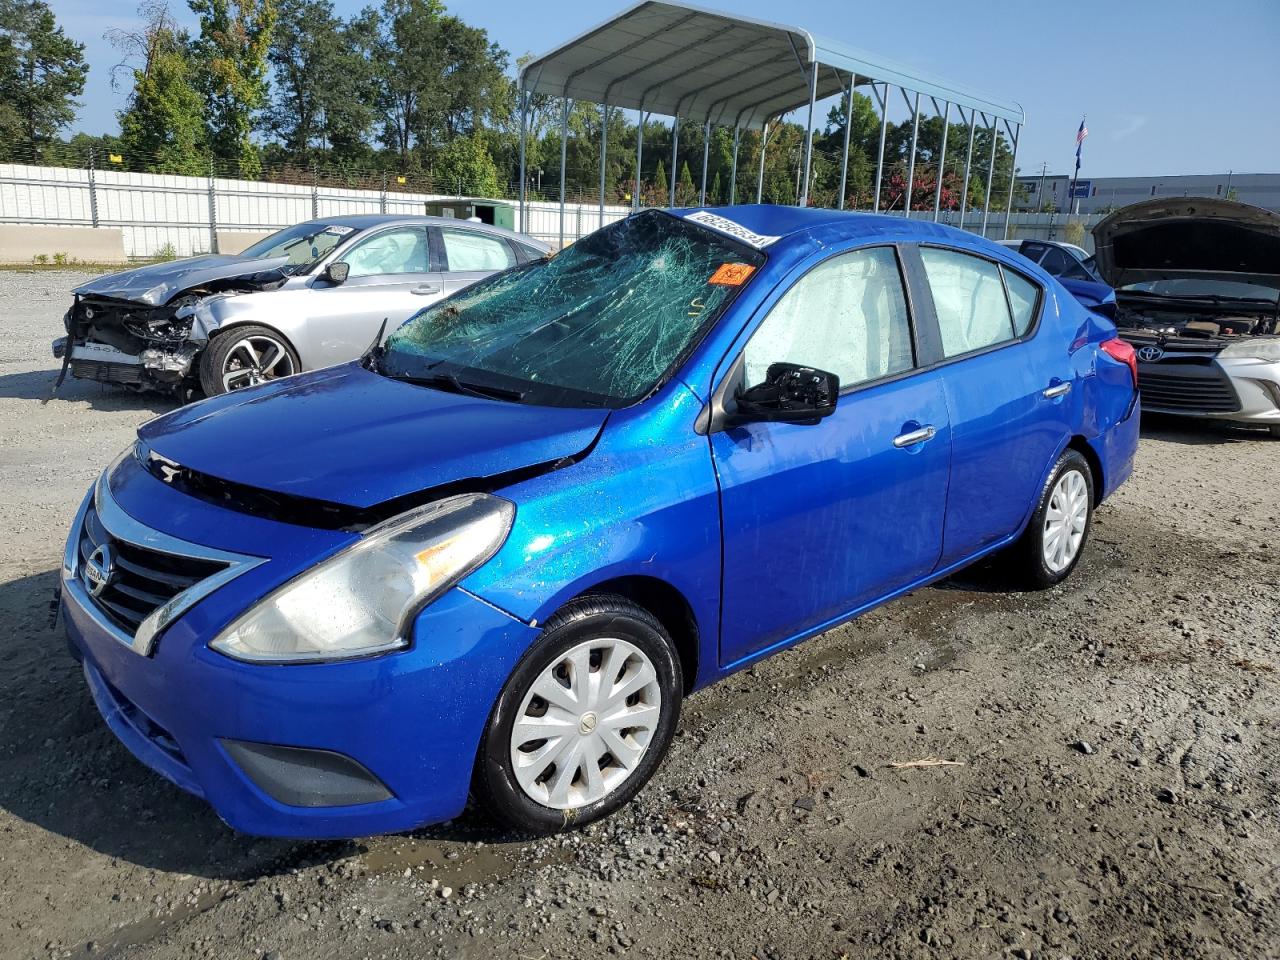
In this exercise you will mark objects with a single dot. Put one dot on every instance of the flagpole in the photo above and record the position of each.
(1071, 194)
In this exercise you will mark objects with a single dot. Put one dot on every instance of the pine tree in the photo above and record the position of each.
(41, 74)
(661, 188)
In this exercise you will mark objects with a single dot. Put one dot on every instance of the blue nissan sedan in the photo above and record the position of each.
(492, 556)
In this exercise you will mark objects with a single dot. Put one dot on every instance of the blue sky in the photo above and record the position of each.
(1169, 86)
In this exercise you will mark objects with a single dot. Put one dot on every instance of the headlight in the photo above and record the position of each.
(1256, 348)
(363, 600)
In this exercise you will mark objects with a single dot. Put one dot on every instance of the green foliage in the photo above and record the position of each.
(464, 165)
(1073, 232)
(41, 74)
(660, 185)
(231, 58)
(166, 252)
(162, 129)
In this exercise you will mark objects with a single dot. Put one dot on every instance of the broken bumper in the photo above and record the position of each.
(105, 363)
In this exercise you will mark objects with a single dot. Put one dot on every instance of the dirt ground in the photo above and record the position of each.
(1118, 742)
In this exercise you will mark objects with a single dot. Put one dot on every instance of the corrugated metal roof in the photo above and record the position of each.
(704, 65)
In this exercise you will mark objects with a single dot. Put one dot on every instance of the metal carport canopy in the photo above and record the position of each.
(674, 59)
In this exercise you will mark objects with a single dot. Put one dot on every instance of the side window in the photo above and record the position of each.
(1058, 262)
(968, 296)
(473, 250)
(403, 250)
(848, 316)
(1023, 295)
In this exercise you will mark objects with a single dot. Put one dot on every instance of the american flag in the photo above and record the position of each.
(1080, 135)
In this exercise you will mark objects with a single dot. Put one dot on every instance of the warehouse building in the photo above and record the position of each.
(1101, 194)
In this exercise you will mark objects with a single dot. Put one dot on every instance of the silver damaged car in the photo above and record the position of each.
(309, 296)
(1198, 296)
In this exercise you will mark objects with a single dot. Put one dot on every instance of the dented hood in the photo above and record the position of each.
(1188, 237)
(159, 283)
(347, 436)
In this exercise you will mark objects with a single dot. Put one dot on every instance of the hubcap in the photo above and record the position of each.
(585, 723)
(253, 360)
(1065, 521)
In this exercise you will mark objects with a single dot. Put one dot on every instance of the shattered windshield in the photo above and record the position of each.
(601, 323)
(303, 244)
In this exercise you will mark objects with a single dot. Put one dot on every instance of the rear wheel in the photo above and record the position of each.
(244, 357)
(1050, 547)
(585, 719)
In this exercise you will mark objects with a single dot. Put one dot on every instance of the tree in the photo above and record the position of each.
(661, 188)
(41, 74)
(231, 55)
(464, 165)
(324, 89)
(162, 128)
(686, 192)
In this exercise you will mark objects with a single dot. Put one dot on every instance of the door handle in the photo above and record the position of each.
(426, 288)
(923, 435)
(1057, 390)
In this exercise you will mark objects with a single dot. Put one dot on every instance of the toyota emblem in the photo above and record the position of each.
(100, 570)
(1151, 353)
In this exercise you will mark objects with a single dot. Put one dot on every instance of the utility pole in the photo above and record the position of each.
(1044, 169)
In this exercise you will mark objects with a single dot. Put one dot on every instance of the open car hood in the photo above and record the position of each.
(1188, 237)
(347, 436)
(158, 283)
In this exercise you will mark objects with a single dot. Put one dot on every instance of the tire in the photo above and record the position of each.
(1033, 562)
(245, 356)
(1274, 430)
(540, 796)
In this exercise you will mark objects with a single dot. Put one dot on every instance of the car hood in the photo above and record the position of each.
(158, 283)
(347, 436)
(1188, 237)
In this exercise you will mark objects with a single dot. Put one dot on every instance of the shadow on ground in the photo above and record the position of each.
(37, 385)
(1198, 432)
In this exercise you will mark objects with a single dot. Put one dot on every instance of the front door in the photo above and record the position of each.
(390, 279)
(820, 520)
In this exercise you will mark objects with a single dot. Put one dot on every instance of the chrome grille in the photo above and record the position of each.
(138, 580)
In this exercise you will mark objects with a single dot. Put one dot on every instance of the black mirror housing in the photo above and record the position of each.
(337, 272)
(791, 393)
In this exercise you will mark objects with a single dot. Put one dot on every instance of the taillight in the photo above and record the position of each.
(1117, 349)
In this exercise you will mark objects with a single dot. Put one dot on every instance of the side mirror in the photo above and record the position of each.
(790, 394)
(337, 272)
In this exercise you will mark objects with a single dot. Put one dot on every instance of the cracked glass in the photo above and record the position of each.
(602, 323)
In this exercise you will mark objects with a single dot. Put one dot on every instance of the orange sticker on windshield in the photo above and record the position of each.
(732, 274)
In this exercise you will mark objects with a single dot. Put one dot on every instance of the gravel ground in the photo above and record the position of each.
(1117, 795)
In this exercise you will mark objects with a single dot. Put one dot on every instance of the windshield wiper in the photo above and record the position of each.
(451, 383)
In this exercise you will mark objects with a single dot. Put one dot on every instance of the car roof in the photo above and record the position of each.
(364, 221)
(779, 226)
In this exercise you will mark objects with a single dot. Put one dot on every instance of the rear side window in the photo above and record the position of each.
(848, 316)
(968, 297)
(1023, 295)
(472, 250)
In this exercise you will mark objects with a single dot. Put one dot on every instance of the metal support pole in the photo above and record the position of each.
(564, 158)
(675, 144)
(213, 211)
(848, 123)
(808, 137)
(968, 163)
(884, 130)
(635, 196)
(706, 150)
(604, 151)
(733, 172)
(524, 135)
(764, 142)
(315, 195)
(911, 163)
(382, 195)
(942, 160)
(991, 169)
(1013, 169)
(93, 188)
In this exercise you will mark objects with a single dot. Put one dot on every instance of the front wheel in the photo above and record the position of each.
(1050, 547)
(584, 721)
(244, 357)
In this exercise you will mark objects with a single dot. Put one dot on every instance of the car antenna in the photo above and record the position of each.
(376, 345)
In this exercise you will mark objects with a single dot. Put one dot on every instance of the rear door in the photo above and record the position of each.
(470, 255)
(390, 278)
(821, 519)
(1008, 376)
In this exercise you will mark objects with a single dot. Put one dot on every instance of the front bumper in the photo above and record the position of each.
(1236, 390)
(410, 720)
